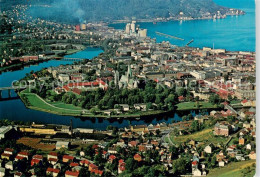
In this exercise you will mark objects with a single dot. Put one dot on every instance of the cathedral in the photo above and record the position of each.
(126, 80)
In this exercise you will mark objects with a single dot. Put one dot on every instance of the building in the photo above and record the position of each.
(62, 144)
(128, 28)
(6, 131)
(142, 33)
(71, 174)
(53, 172)
(222, 129)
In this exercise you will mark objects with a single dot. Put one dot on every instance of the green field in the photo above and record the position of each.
(205, 135)
(193, 105)
(234, 169)
(60, 108)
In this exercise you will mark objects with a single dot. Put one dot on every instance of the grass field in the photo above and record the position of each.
(193, 105)
(233, 169)
(38, 103)
(205, 135)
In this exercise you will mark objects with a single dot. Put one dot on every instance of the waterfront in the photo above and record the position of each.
(235, 33)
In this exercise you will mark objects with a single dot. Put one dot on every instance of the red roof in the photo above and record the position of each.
(53, 153)
(5, 154)
(72, 173)
(23, 153)
(68, 157)
(244, 101)
(93, 166)
(34, 161)
(95, 146)
(9, 149)
(52, 170)
(112, 157)
(121, 161)
(137, 156)
(195, 162)
(53, 160)
(72, 164)
(19, 157)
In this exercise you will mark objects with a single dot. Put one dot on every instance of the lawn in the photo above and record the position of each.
(205, 135)
(40, 104)
(233, 169)
(193, 105)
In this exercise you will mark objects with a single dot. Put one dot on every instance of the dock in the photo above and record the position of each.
(170, 36)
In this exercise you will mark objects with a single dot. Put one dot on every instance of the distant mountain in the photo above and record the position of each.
(110, 10)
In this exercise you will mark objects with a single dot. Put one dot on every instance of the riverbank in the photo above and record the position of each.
(35, 102)
(21, 65)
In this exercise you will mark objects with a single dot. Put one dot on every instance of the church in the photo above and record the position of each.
(127, 80)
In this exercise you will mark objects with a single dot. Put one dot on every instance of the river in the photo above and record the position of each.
(233, 33)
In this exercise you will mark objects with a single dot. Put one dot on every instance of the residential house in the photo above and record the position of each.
(71, 174)
(138, 157)
(52, 171)
(67, 158)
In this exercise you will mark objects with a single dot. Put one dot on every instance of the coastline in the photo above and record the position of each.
(173, 19)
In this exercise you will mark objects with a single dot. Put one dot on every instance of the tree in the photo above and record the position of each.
(180, 166)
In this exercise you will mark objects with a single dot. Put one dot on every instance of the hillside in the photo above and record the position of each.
(110, 10)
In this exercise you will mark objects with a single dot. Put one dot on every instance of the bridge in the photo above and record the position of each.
(169, 36)
(231, 109)
(71, 59)
(8, 89)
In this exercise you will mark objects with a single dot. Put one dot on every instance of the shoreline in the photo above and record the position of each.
(169, 20)
(136, 116)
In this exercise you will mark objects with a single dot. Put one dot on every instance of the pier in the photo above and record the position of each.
(169, 36)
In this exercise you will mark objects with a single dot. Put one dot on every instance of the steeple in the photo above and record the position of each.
(129, 72)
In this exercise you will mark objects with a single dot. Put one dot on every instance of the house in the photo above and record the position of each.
(53, 172)
(111, 158)
(35, 162)
(248, 146)
(2, 172)
(5, 156)
(252, 155)
(221, 163)
(67, 158)
(112, 150)
(222, 129)
(121, 166)
(9, 151)
(196, 172)
(71, 174)
(142, 148)
(21, 155)
(9, 165)
(18, 174)
(138, 157)
(62, 144)
(52, 155)
(208, 149)
(138, 128)
(241, 141)
(132, 143)
(92, 167)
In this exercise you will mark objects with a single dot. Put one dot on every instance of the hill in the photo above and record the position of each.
(110, 10)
